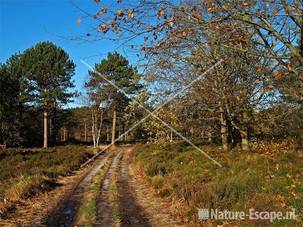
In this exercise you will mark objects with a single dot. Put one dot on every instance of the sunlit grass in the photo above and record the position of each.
(26, 172)
(262, 180)
(87, 213)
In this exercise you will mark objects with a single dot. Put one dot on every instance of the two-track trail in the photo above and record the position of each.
(65, 213)
(104, 209)
(132, 214)
(122, 197)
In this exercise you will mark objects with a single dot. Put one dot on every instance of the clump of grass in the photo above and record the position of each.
(157, 181)
(86, 215)
(182, 174)
(27, 186)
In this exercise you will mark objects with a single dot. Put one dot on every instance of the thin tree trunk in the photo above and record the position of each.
(244, 133)
(50, 129)
(209, 136)
(223, 129)
(64, 134)
(45, 135)
(107, 134)
(114, 126)
(99, 130)
(93, 128)
(85, 131)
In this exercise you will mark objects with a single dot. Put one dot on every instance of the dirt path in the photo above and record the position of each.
(65, 213)
(104, 210)
(132, 214)
(141, 206)
(137, 205)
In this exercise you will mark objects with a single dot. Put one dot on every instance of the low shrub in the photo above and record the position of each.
(23, 172)
(27, 186)
(182, 173)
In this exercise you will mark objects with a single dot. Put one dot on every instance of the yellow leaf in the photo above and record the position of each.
(161, 12)
(78, 21)
(290, 68)
(130, 13)
(210, 9)
(225, 7)
(120, 13)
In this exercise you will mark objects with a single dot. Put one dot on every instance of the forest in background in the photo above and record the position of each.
(233, 70)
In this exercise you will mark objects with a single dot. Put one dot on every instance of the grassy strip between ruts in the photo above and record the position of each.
(86, 215)
(270, 178)
(25, 172)
(113, 195)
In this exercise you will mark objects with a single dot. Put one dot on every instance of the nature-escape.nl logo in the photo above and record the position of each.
(252, 214)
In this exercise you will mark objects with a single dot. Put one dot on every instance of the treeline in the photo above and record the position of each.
(240, 100)
(34, 87)
(255, 90)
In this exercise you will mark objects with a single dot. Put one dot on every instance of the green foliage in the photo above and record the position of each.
(9, 125)
(50, 70)
(115, 68)
(41, 76)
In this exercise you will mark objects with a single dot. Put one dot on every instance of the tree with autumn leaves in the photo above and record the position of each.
(260, 43)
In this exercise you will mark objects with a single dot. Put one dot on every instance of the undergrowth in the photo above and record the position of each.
(24, 172)
(268, 179)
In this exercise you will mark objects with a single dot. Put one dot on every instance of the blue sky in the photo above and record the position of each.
(23, 23)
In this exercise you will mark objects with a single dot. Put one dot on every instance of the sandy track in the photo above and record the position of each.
(64, 215)
(104, 211)
(138, 206)
(132, 214)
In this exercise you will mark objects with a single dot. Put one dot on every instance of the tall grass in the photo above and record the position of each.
(25, 172)
(267, 179)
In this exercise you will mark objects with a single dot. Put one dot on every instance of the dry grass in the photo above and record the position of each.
(181, 173)
(25, 172)
(113, 195)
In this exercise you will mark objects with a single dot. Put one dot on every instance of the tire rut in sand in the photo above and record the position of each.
(132, 214)
(104, 209)
(65, 214)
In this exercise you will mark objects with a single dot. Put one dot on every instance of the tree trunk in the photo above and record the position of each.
(100, 126)
(45, 135)
(223, 129)
(50, 132)
(244, 140)
(64, 134)
(244, 133)
(107, 134)
(85, 132)
(114, 126)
